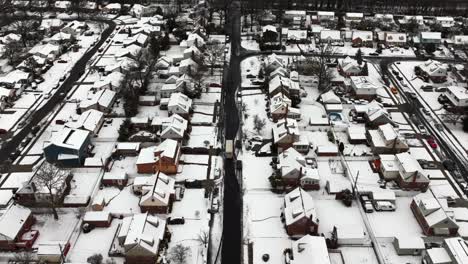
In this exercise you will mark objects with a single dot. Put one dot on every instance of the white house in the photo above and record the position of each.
(331, 37)
(457, 95)
(446, 22)
(179, 104)
(363, 87)
(430, 37)
(325, 16)
(435, 70)
(387, 139)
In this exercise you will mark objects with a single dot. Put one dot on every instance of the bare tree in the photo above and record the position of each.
(24, 28)
(317, 65)
(24, 257)
(259, 123)
(11, 52)
(179, 254)
(53, 180)
(203, 237)
(214, 53)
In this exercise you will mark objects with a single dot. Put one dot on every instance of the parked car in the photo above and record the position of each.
(374, 54)
(384, 206)
(87, 228)
(432, 143)
(441, 89)
(251, 76)
(394, 90)
(422, 130)
(61, 61)
(175, 220)
(427, 88)
(395, 72)
(215, 85)
(366, 204)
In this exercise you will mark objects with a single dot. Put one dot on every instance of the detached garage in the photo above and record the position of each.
(406, 245)
(98, 218)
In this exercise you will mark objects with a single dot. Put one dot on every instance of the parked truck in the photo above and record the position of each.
(229, 149)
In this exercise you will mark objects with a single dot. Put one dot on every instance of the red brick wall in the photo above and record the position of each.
(154, 209)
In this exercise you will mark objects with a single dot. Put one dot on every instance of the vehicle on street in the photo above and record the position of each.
(175, 220)
(384, 206)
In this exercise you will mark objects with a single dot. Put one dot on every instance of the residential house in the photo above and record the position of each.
(102, 101)
(139, 39)
(10, 38)
(453, 251)
(324, 17)
(460, 40)
(362, 87)
(356, 134)
(75, 27)
(35, 193)
(362, 38)
(332, 37)
(434, 70)
(408, 19)
(353, 17)
(280, 107)
(446, 22)
(308, 249)
(285, 86)
(349, 67)
(68, 147)
(47, 51)
(392, 38)
(293, 171)
(139, 11)
(432, 216)
(282, 72)
(131, 51)
(272, 62)
(386, 139)
(384, 18)
(126, 149)
(15, 222)
(123, 65)
(285, 133)
(140, 236)
(297, 36)
(112, 81)
(17, 79)
(195, 40)
(192, 52)
(158, 194)
(63, 5)
(188, 66)
(163, 63)
(179, 104)
(140, 123)
(411, 175)
(430, 37)
(90, 120)
(458, 96)
(374, 114)
(297, 17)
(112, 8)
(97, 218)
(408, 245)
(173, 127)
(164, 157)
(299, 213)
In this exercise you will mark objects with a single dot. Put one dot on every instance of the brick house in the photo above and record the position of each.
(411, 175)
(158, 194)
(15, 223)
(293, 171)
(285, 133)
(431, 214)
(299, 213)
(164, 157)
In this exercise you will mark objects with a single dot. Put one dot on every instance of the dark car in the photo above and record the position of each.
(176, 220)
(395, 72)
(87, 228)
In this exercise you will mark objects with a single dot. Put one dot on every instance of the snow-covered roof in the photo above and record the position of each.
(349, 65)
(330, 35)
(458, 248)
(410, 242)
(460, 93)
(325, 13)
(431, 35)
(433, 210)
(299, 204)
(12, 222)
(158, 191)
(113, 81)
(142, 232)
(310, 249)
(181, 102)
(289, 160)
(46, 49)
(395, 37)
(113, 6)
(382, 195)
(438, 255)
(15, 76)
(268, 28)
(408, 162)
(278, 101)
(354, 15)
(88, 120)
(363, 35)
(69, 138)
(356, 132)
(173, 124)
(296, 34)
(460, 39)
(434, 68)
(63, 4)
(283, 128)
(330, 98)
(362, 82)
(139, 38)
(93, 216)
(103, 98)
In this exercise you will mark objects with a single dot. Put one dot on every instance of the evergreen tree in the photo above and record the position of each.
(358, 56)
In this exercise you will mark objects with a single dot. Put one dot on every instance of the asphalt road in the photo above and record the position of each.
(56, 98)
(232, 230)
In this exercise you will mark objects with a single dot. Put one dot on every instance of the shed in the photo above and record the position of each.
(408, 245)
(98, 204)
(327, 150)
(98, 218)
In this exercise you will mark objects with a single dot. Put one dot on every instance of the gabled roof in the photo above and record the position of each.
(175, 123)
(181, 101)
(103, 97)
(88, 120)
(310, 249)
(158, 191)
(284, 128)
(299, 204)
(12, 221)
(69, 138)
(142, 232)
